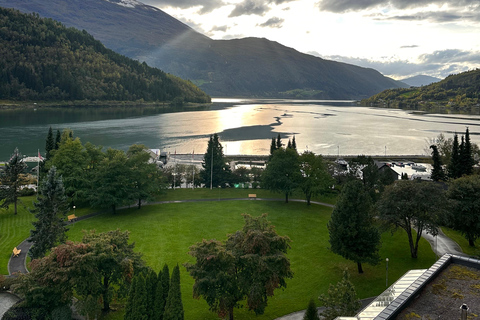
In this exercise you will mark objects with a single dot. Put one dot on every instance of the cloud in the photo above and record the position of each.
(207, 5)
(274, 22)
(409, 47)
(249, 7)
(433, 16)
(219, 28)
(339, 6)
(438, 64)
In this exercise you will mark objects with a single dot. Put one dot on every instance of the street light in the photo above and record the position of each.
(386, 278)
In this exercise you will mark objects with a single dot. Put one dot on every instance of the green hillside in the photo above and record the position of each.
(458, 93)
(42, 60)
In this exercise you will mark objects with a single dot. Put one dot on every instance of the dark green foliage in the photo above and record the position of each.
(273, 147)
(315, 178)
(294, 144)
(50, 210)
(279, 143)
(466, 157)
(409, 204)
(289, 144)
(49, 144)
(311, 313)
(58, 137)
(11, 179)
(43, 60)
(404, 176)
(353, 234)
(222, 174)
(456, 92)
(454, 167)
(437, 171)
(250, 265)
(161, 294)
(137, 307)
(464, 213)
(129, 307)
(282, 173)
(174, 305)
(341, 299)
(151, 289)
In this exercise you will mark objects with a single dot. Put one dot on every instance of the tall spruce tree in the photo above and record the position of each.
(129, 307)
(279, 143)
(273, 147)
(454, 167)
(58, 138)
(49, 144)
(50, 210)
(161, 294)
(174, 305)
(437, 171)
(11, 179)
(311, 313)
(467, 160)
(213, 160)
(294, 144)
(140, 300)
(151, 282)
(352, 231)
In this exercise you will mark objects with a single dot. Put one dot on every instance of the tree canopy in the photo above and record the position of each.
(216, 172)
(11, 179)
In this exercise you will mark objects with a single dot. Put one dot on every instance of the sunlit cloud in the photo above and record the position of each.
(274, 22)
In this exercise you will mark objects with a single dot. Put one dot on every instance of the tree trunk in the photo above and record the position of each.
(106, 303)
(413, 252)
(114, 209)
(359, 267)
(230, 314)
(286, 197)
(471, 242)
(15, 205)
(139, 203)
(309, 196)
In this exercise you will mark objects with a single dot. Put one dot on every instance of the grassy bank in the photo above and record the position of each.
(462, 242)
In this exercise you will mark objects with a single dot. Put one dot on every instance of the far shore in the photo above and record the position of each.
(22, 105)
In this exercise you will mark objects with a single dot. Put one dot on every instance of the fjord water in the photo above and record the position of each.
(244, 126)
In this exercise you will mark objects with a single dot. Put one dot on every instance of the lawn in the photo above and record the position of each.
(163, 233)
(14, 229)
(462, 242)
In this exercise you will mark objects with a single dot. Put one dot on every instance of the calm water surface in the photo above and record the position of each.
(244, 127)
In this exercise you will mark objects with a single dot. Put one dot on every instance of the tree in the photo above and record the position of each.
(464, 213)
(282, 173)
(437, 171)
(454, 167)
(294, 144)
(351, 227)
(50, 210)
(111, 186)
(411, 204)
(216, 172)
(311, 313)
(57, 139)
(279, 143)
(250, 265)
(49, 144)
(174, 305)
(341, 299)
(161, 294)
(466, 155)
(137, 305)
(273, 147)
(145, 177)
(11, 180)
(315, 178)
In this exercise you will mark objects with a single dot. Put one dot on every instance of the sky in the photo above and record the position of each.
(399, 38)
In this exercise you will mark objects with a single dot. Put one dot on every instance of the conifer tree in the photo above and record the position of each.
(289, 144)
(294, 144)
(454, 167)
(174, 306)
(466, 156)
(273, 147)
(49, 144)
(311, 312)
(279, 142)
(131, 299)
(161, 294)
(11, 179)
(221, 171)
(151, 282)
(58, 138)
(50, 210)
(437, 171)
(140, 300)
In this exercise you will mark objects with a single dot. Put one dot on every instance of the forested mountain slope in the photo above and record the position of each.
(460, 92)
(250, 67)
(44, 60)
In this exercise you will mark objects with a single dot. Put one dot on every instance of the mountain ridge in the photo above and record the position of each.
(250, 67)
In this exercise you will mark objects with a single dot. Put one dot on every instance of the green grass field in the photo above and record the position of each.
(163, 233)
(462, 242)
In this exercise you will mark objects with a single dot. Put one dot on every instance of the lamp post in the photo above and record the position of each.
(463, 311)
(386, 278)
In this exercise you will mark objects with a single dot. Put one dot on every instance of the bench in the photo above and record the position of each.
(252, 195)
(72, 217)
(16, 252)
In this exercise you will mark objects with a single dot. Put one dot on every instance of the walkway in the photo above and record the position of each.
(442, 244)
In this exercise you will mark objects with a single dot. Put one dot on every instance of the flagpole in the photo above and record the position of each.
(211, 169)
(174, 168)
(193, 171)
(38, 169)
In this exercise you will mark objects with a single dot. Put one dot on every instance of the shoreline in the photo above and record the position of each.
(13, 105)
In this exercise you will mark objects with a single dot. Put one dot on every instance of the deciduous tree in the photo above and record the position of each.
(409, 204)
(50, 210)
(315, 178)
(250, 265)
(353, 234)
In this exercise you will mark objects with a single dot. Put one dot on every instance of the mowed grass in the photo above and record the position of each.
(163, 233)
(462, 242)
(14, 229)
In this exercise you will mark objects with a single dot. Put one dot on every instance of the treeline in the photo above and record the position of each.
(44, 60)
(458, 92)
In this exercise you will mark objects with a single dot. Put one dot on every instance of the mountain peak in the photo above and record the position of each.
(126, 3)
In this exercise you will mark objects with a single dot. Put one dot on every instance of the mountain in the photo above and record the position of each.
(239, 67)
(43, 60)
(420, 80)
(459, 92)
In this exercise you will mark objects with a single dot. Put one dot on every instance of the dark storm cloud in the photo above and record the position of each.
(358, 5)
(207, 5)
(274, 22)
(437, 64)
